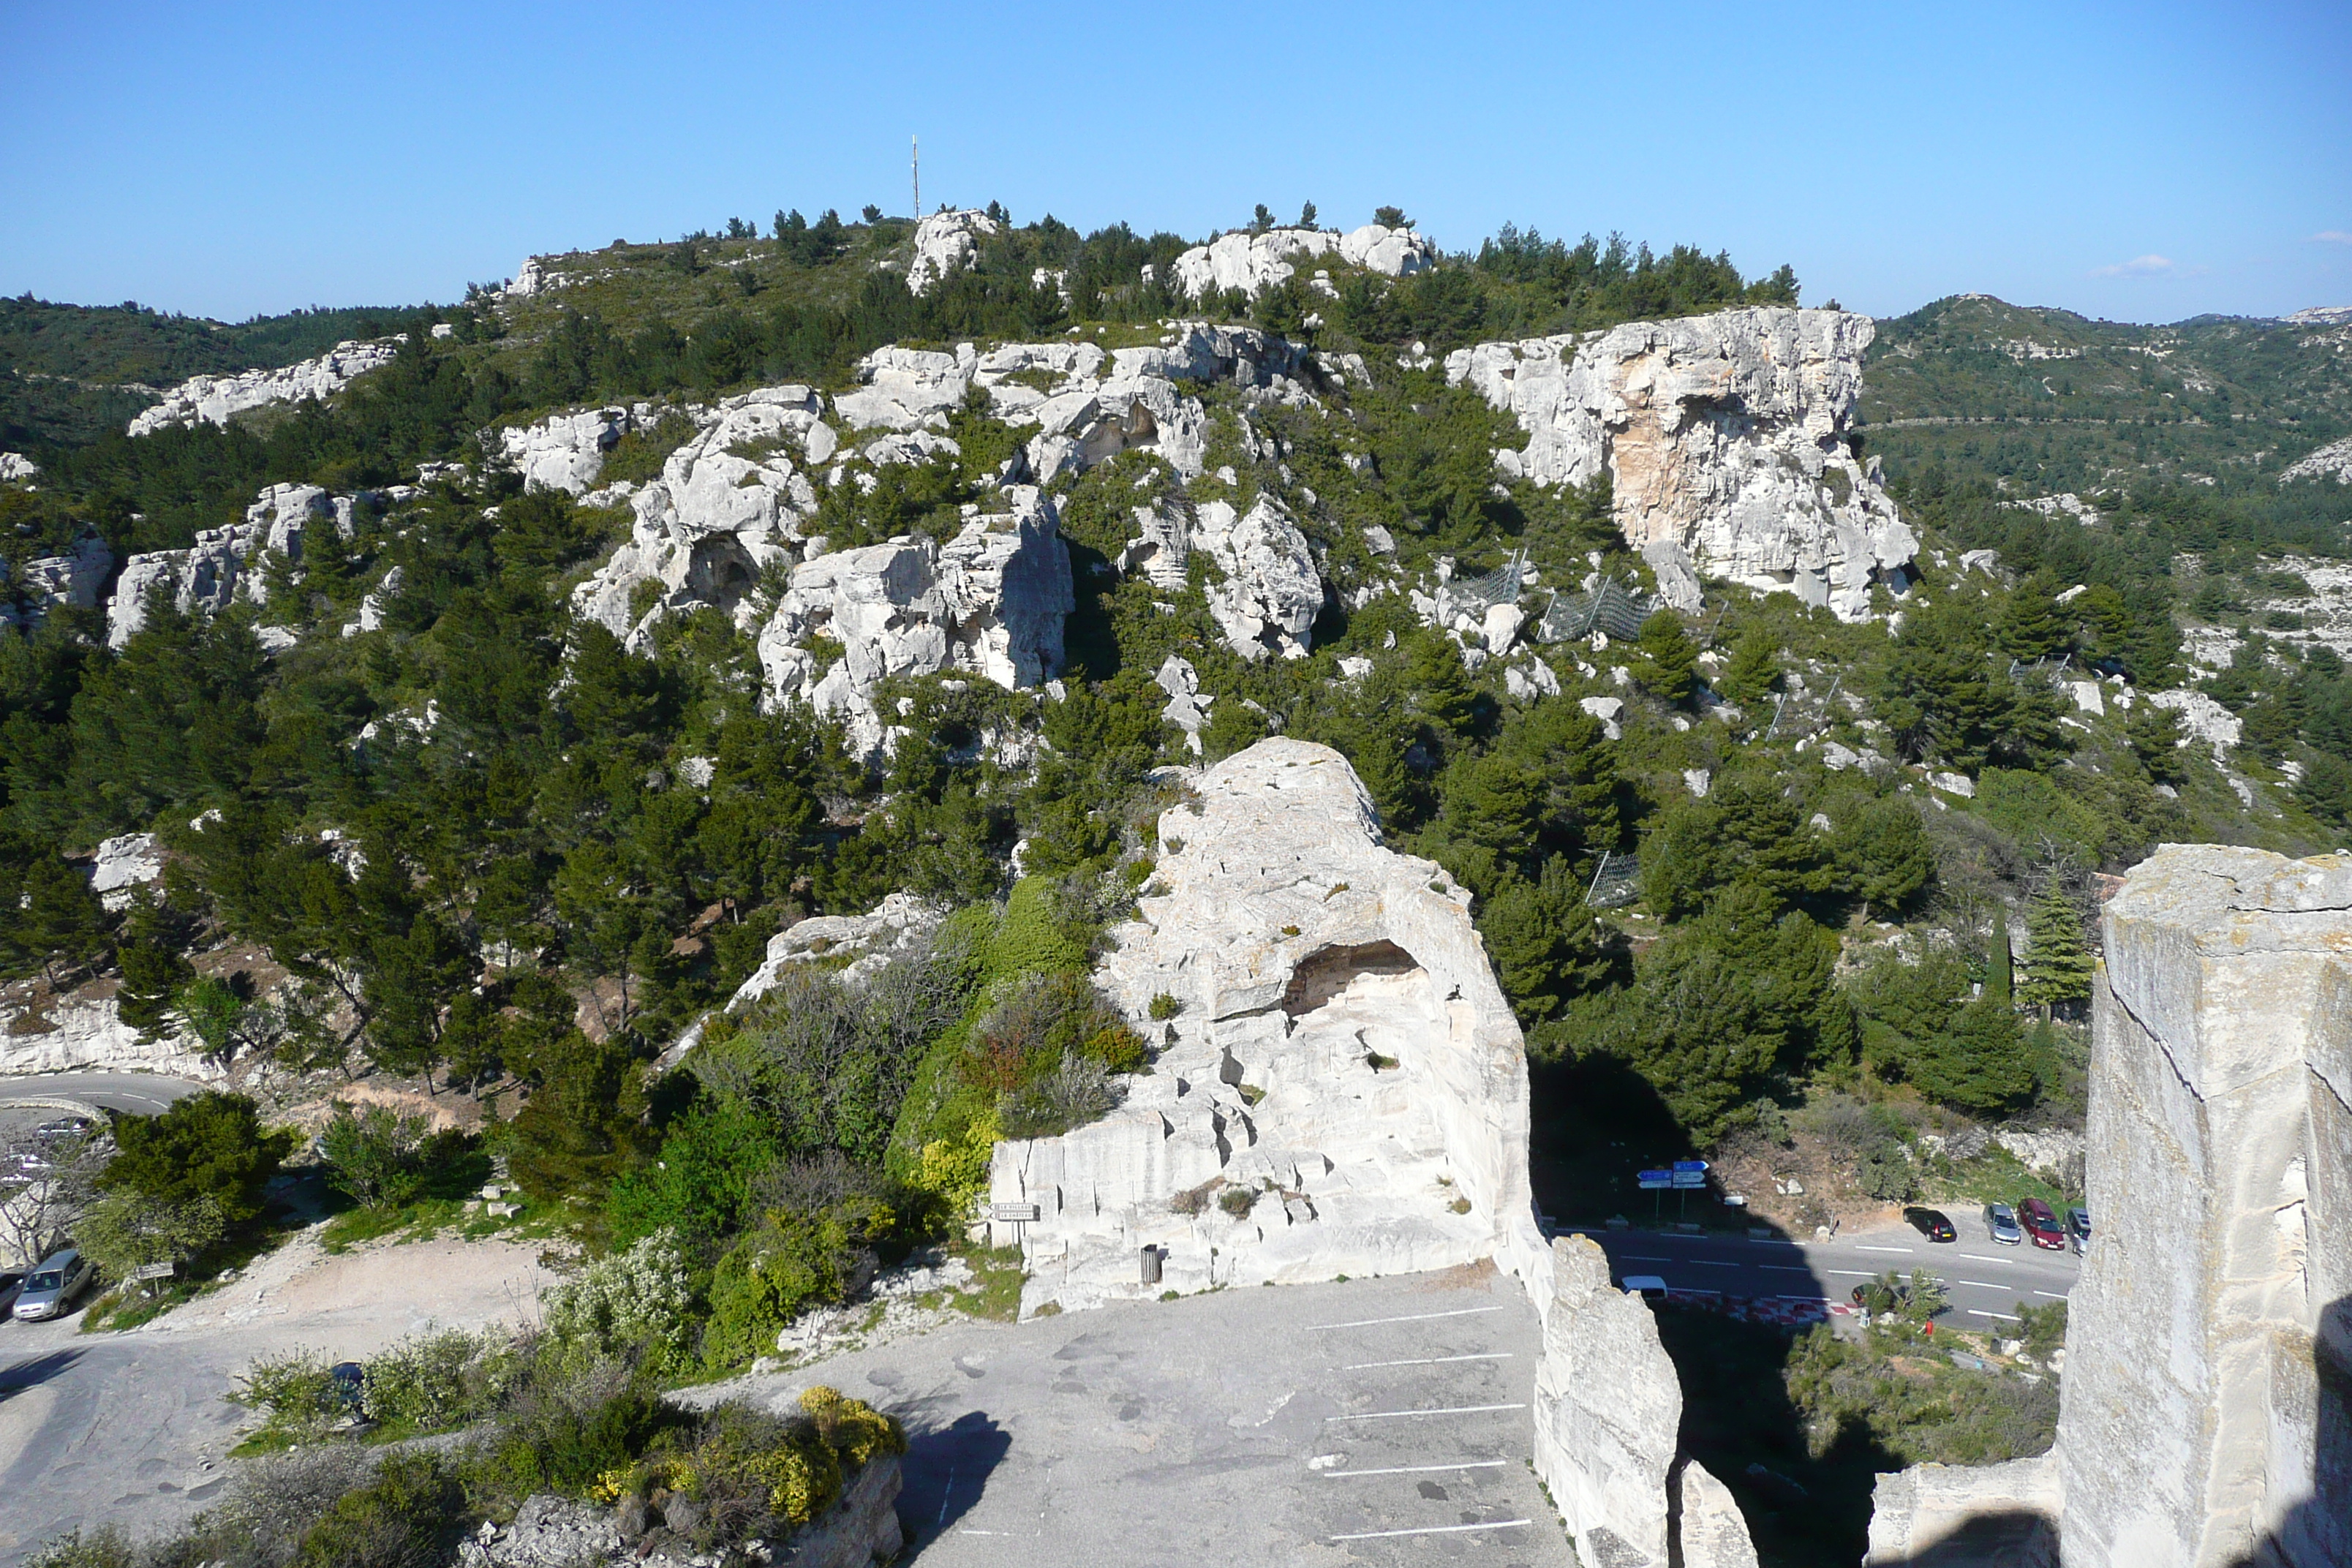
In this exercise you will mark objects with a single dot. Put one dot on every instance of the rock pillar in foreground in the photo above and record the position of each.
(1608, 1423)
(2205, 1409)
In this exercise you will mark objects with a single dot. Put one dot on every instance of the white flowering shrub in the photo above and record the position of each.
(634, 1301)
(435, 1381)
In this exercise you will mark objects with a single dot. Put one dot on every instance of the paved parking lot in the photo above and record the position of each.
(1375, 1421)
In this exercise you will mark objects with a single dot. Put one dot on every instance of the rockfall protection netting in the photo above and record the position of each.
(1608, 606)
(1473, 596)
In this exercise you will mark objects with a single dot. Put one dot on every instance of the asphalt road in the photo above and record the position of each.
(133, 1093)
(1987, 1279)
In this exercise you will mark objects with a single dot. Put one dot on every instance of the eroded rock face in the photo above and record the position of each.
(2206, 1415)
(2001, 1516)
(16, 468)
(898, 923)
(1608, 1419)
(945, 244)
(1316, 966)
(124, 864)
(1255, 262)
(1095, 404)
(565, 451)
(729, 503)
(2331, 461)
(73, 578)
(216, 399)
(200, 579)
(1726, 438)
(1272, 592)
(990, 600)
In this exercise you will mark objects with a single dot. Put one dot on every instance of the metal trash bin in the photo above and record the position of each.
(1151, 1265)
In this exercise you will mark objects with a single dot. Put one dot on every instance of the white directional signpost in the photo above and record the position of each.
(1654, 1182)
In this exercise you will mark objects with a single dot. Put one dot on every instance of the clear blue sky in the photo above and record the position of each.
(2139, 161)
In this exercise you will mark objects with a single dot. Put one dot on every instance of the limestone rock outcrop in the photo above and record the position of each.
(730, 502)
(1341, 1055)
(566, 451)
(124, 864)
(2331, 461)
(225, 563)
(990, 600)
(897, 923)
(945, 244)
(216, 399)
(1607, 1420)
(2205, 1413)
(82, 1034)
(1254, 263)
(1094, 405)
(1726, 438)
(1272, 592)
(73, 578)
(2202, 720)
(1995, 1516)
(17, 469)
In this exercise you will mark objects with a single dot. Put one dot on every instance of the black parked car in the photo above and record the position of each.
(1931, 1224)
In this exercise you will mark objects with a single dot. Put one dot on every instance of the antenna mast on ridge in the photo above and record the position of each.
(917, 164)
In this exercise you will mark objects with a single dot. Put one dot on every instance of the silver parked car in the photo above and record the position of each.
(2000, 1223)
(2078, 1230)
(51, 1289)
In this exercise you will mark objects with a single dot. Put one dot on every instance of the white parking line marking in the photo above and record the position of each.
(1418, 1469)
(1980, 1312)
(1410, 1318)
(1982, 1258)
(1887, 1249)
(1983, 1284)
(1429, 1361)
(2053, 1295)
(1854, 1273)
(1450, 1410)
(1433, 1529)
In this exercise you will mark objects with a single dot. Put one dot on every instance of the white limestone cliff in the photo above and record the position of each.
(1342, 1052)
(717, 518)
(566, 451)
(1255, 262)
(225, 565)
(945, 244)
(990, 600)
(73, 578)
(17, 469)
(1725, 438)
(216, 399)
(2206, 1412)
(1271, 593)
(1996, 1516)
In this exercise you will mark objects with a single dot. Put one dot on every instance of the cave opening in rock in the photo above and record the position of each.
(1324, 973)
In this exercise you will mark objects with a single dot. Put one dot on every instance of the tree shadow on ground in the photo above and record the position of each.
(34, 1371)
(946, 1471)
(1595, 1123)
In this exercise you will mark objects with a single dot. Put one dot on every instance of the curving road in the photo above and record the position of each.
(136, 1093)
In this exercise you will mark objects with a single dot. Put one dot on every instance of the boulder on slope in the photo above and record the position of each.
(1272, 592)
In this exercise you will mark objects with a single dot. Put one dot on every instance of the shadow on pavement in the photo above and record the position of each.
(946, 1470)
(34, 1371)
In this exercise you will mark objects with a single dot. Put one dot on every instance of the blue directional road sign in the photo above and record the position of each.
(1690, 1167)
(1659, 1180)
(1690, 1180)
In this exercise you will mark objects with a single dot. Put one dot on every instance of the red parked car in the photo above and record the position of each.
(2040, 1225)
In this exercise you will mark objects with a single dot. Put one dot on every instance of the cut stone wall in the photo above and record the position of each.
(2206, 1415)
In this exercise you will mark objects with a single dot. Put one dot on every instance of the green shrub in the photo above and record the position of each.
(292, 1387)
(409, 1516)
(1165, 1007)
(209, 1145)
(815, 1243)
(106, 1547)
(375, 1155)
(432, 1382)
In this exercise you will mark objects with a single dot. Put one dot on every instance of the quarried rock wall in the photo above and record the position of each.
(2206, 1415)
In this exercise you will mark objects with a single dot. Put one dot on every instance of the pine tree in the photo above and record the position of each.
(2058, 962)
(1669, 659)
(1999, 980)
(1754, 669)
(1307, 215)
(2032, 624)
(152, 970)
